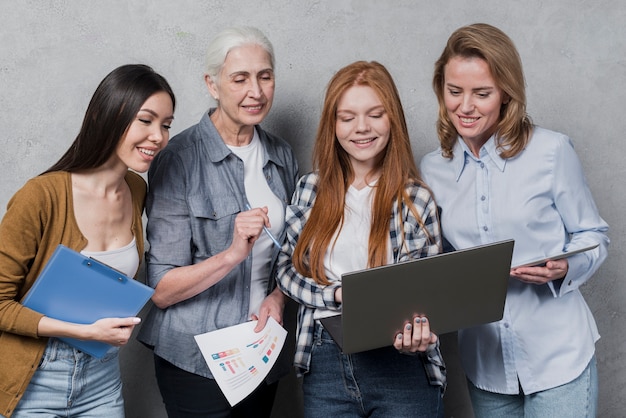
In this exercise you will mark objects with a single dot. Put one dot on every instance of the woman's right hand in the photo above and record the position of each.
(114, 331)
(184, 282)
(248, 227)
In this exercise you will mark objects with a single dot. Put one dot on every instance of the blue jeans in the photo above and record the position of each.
(70, 383)
(375, 383)
(576, 399)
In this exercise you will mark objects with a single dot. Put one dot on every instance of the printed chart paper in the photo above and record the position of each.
(239, 358)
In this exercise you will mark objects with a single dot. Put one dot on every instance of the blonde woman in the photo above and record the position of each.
(497, 176)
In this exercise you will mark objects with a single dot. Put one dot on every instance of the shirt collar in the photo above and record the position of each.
(218, 150)
(489, 151)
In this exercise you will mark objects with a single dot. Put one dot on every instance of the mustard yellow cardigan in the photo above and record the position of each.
(38, 218)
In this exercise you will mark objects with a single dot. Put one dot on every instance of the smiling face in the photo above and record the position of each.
(244, 90)
(147, 134)
(472, 99)
(362, 127)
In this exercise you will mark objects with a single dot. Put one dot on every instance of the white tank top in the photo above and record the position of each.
(124, 259)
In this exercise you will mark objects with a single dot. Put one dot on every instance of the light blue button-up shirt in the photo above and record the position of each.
(541, 199)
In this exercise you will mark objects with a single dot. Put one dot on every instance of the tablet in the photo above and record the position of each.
(540, 262)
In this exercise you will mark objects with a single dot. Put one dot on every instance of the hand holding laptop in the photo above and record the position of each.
(455, 290)
(338, 295)
(415, 336)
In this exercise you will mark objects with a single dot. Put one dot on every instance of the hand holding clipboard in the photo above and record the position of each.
(78, 289)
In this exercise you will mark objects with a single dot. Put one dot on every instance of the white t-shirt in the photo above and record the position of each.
(259, 194)
(348, 250)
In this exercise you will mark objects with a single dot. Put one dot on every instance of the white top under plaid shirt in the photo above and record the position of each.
(310, 295)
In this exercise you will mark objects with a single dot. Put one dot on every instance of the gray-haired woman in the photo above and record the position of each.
(210, 261)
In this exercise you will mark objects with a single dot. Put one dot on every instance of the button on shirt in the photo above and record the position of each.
(539, 198)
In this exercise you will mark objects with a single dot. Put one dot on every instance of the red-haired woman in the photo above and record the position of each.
(364, 205)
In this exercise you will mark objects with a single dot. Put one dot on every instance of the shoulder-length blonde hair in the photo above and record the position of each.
(490, 44)
(334, 169)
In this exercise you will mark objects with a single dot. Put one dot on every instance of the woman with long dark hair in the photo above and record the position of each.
(91, 201)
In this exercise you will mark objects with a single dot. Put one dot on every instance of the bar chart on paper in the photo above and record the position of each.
(239, 358)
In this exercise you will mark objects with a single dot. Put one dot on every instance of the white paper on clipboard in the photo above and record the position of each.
(544, 260)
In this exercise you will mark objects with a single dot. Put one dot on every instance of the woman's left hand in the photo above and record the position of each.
(273, 305)
(415, 336)
(553, 270)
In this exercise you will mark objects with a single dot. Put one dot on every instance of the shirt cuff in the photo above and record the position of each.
(328, 294)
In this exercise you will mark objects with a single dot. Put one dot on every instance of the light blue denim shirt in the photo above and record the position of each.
(540, 198)
(196, 189)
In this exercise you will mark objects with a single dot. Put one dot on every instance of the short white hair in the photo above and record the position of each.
(229, 39)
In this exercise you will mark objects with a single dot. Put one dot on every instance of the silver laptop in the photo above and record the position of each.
(454, 290)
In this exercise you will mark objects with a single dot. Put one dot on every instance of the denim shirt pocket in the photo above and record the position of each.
(213, 219)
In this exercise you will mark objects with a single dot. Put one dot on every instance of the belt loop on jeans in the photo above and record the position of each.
(50, 353)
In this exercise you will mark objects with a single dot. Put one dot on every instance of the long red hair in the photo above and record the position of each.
(331, 162)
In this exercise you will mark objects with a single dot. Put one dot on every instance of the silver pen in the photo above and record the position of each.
(267, 231)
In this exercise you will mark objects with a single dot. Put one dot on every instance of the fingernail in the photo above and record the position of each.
(399, 336)
(424, 320)
(408, 327)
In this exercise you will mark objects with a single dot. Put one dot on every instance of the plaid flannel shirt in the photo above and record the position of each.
(408, 241)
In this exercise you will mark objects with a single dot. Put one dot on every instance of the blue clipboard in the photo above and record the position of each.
(79, 289)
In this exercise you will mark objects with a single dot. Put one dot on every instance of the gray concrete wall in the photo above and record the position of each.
(54, 53)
